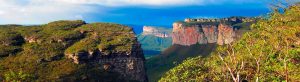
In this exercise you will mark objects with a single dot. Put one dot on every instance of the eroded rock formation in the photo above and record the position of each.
(203, 31)
(128, 64)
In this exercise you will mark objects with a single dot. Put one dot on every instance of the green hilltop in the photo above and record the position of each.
(36, 53)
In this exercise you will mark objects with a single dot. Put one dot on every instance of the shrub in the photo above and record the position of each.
(12, 76)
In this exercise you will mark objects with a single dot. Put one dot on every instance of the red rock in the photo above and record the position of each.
(211, 33)
(187, 35)
(226, 34)
(202, 34)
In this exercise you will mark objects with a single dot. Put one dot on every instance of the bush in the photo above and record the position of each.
(10, 38)
(12, 76)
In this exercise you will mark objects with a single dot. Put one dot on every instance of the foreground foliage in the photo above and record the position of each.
(270, 52)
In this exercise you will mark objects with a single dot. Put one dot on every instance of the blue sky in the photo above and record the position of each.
(137, 12)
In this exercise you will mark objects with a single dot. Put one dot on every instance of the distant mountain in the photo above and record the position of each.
(138, 29)
(157, 31)
(155, 39)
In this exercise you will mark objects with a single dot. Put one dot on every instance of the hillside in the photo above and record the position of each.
(268, 53)
(153, 45)
(70, 51)
(172, 56)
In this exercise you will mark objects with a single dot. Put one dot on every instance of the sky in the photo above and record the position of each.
(135, 12)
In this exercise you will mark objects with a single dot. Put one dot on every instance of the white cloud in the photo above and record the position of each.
(156, 2)
(40, 11)
(1, 12)
(43, 11)
(136, 2)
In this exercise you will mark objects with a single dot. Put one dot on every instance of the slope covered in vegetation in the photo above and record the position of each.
(174, 55)
(36, 53)
(153, 45)
(270, 52)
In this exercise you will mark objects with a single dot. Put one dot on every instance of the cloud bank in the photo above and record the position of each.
(39, 11)
(117, 3)
(43, 11)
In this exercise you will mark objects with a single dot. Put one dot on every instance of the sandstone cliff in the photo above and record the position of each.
(129, 64)
(203, 31)
(156, 31)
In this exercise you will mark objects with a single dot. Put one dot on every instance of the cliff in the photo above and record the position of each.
(71, 51)
(157, 31)
(203, 31)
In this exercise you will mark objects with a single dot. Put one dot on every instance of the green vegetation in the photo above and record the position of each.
(171, 57)
(10, 42)
(153, 45)
(17, 76)
(270, 52)
(36, 53)
(104, 36)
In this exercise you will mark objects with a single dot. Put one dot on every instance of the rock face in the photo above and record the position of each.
(156, 31)
(128, 64)
(203, 31)
(32, 39)
(187, 35)
(226, 34)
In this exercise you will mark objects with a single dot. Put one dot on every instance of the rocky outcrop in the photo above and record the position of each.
(129, 64)
(114, 50)
(203, 31)
(156, 31)
(32, 39)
